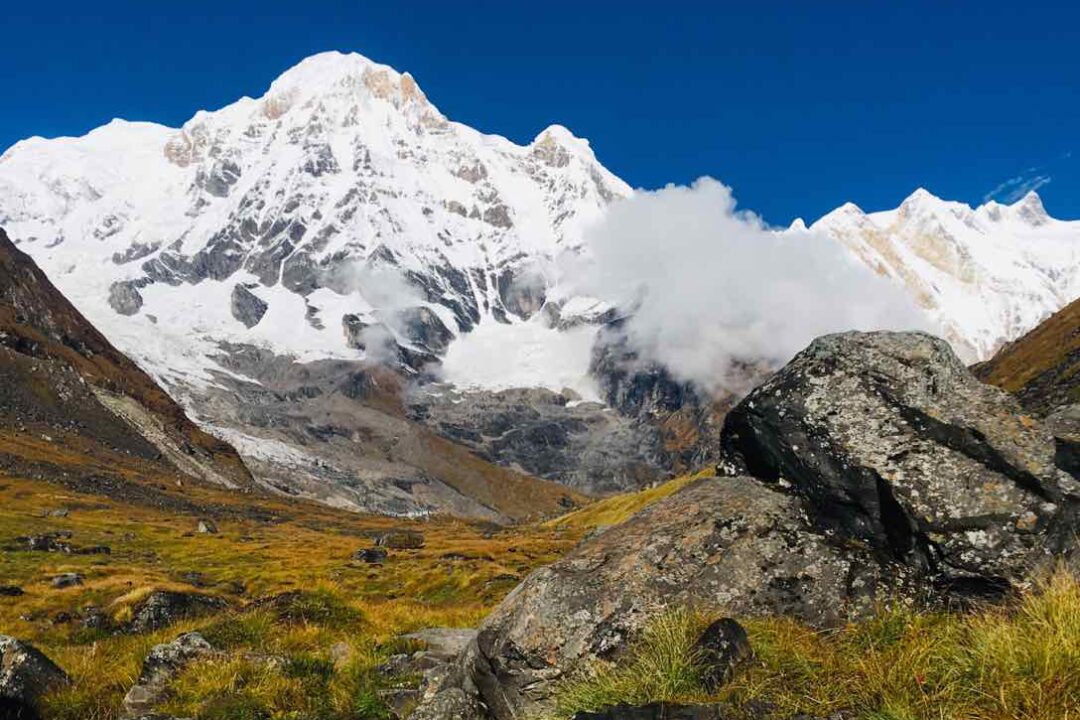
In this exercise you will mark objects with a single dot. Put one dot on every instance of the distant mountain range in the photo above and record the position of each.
(254, 260)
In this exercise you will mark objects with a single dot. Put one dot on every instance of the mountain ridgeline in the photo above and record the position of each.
(335, 275)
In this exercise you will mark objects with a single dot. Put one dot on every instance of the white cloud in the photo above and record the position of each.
(712, 286)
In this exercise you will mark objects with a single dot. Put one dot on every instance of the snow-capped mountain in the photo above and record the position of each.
(986, 275)
(340, 212)
(257, 259)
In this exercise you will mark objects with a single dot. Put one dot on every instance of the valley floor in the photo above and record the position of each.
(348, 609)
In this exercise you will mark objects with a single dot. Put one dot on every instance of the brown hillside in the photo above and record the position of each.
(65, 386)
(1043, 367)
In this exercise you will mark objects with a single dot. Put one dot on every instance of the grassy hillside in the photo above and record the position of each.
(1042, 367)
(348, 609)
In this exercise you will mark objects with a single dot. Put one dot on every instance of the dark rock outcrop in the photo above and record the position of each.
(247, 307)
(66, 580)
(400, 540)
(25, 676)
(552, 435)
(373, 556)
(124, 298)
(162, 608)
(892, 442)
(720, 649)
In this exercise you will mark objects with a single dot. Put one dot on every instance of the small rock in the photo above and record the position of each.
(443, 643)
(400, 540)
(375, 555)
(656, 711)
(58, 513)
(399, 700)
(207, 527)
(163, 663)
(94, 550)
(46, 542)
(93, 618)
(340, 654)
(10, 591)
(720, 649)
(25, 675)
(66, 580)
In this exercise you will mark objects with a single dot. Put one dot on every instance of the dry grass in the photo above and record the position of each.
(618, 509)
(1018, 662)
(263, 547)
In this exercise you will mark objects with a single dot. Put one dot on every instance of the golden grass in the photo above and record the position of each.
(1016, 662)
(264, 547)
(618, 509)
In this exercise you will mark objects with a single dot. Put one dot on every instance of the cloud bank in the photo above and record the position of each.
(711, 286)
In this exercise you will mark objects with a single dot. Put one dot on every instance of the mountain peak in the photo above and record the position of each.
(1030, 208)
(335, 73)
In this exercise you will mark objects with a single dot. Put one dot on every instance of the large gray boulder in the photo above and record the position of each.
(892, 442)
(731, 545)
(884, 472)
(25, 676)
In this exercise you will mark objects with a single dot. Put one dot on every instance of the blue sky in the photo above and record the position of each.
(799, 106)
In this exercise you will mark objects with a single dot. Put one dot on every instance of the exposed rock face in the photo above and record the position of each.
(892, 442)
(159, 668)
(337, 432)
(685, 419)
(729, 544)
(548, 434)
(247, 307)
(25, 675)
(124, 298)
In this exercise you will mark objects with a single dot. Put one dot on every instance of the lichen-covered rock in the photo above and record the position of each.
(450, 704)
(731, 545)
(894, 443)
(25, 675)
(162, 608)
(163, 664)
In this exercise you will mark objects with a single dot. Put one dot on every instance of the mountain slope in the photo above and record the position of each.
(264, 260)
(339, 211)
(986, 274)
(68, 395)
(1043, 366)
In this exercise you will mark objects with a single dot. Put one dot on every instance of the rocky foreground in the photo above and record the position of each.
(874, 468)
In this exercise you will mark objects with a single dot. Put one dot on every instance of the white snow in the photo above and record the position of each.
(497, 356)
